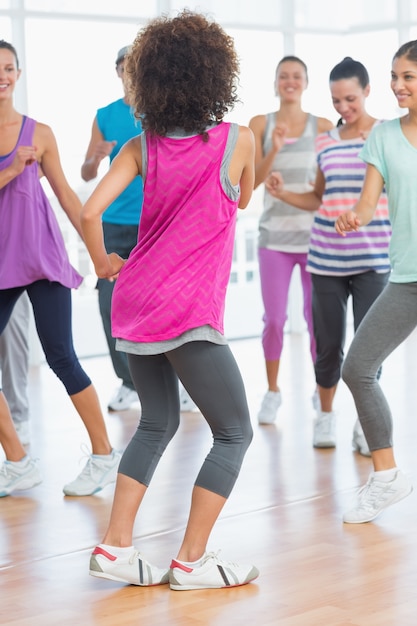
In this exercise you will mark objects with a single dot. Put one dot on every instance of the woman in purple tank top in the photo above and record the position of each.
(34, 259)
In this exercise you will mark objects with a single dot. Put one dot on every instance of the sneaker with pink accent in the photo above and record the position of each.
(213, 573)
(133, 569)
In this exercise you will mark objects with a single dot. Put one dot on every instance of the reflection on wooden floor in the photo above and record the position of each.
(284, 515)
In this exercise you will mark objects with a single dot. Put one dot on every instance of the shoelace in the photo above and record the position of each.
(135, 555)
(215, 557)
(4, 473)
(372, 493)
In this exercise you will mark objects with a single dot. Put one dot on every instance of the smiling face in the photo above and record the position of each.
(291, 81)
(348, 97)
(404, 82)
(9, 73)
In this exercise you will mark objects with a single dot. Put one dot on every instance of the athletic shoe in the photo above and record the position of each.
(99, 471)
(211, 574)
(123, 399)
(132, 569)
(359, 442)
(325, 430)
(186, 403)
(22, 429)
(16, 476)
(315, 399)
(271, 402)
(376, 496)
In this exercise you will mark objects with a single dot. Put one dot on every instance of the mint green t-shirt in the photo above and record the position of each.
(395, 158)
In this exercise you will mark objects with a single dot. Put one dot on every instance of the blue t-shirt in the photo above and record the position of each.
(388, 149)
(116, 122)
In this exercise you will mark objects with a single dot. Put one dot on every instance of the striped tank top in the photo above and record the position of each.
(366, 250)
(282, 227)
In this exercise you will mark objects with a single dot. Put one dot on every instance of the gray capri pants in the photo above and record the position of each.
(388, 323)
(211, 376)
(330, 298)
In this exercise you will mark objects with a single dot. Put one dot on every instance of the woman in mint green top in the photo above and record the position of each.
(391, 156)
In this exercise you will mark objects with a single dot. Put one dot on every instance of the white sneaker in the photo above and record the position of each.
(325, 430)
(123, 399)
(186, 403)
(99, 471)
(23, 432)
(376, 496)
(271, 402)
(359, 442)
(211, 574)
(315, 399)
(132, 569)
(16, 476)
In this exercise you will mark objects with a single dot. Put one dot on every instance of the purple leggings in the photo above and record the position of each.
(276, 269)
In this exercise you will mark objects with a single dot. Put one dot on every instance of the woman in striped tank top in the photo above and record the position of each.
(285, 142)
(340, 267)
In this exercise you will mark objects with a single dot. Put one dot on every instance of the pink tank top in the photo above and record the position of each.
(176, 277)
(31, 244)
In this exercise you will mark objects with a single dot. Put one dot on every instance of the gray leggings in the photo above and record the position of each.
(210, 375)
(390, 320)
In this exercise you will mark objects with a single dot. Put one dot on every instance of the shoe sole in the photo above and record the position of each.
(324, 444)
(7, 492)
(122, 580)
(369, 519)
(196, 587)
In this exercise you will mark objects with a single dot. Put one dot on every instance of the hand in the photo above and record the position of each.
(275, 184)
(25, 155)
(278, 136)
(347, 222)
(103, 148)
(113, 267)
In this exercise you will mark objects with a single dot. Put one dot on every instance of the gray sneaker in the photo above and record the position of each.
(376, 496)
(324, 435)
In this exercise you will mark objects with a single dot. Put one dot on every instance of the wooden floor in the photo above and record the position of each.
(284, 515)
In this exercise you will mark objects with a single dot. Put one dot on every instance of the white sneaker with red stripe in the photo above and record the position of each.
(133, 568)
(213, 573)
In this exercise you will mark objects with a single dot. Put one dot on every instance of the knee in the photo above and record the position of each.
(70, 373)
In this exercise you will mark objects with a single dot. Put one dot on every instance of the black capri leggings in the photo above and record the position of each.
(51, 304)
(211, 376)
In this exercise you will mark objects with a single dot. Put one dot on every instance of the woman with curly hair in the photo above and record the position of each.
(168, 303)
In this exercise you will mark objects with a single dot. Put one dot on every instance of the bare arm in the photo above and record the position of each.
(307, 201)
(98, 149)
(264, 162)
(364, 209)
(50, 164)
(124, 168)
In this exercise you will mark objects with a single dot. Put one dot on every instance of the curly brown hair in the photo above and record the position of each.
(183, 73)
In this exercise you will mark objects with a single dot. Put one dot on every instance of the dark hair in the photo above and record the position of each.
(293, 59)
(349, 68)
(183, 73)
(8, 46)
(408, 50)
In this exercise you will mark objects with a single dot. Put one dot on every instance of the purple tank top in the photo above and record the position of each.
(176, 277)
(31, 244)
